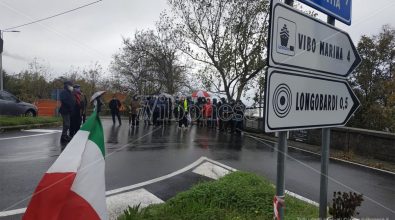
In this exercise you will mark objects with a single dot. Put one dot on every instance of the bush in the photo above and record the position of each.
(238, 195)
(344, 205)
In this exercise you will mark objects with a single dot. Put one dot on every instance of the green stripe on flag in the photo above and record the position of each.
(95, 128)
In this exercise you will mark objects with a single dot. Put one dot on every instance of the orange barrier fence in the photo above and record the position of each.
(47, 107)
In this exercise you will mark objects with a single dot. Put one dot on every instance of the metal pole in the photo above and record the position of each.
(326, 132)
(1, 61)
(281, 154)
(280, 181)
(1, 72)
(324, 172)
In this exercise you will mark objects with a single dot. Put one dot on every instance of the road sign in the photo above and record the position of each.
(299, 41)
(296, 100)
(339, 9)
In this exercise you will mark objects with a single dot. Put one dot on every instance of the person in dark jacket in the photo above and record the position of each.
(114, 106)
(238, 116)
(214, 115)
(156, 113)
(221, 114)
(169, 110)
(230, 124)
(76, 115)
(66, 109)
(162, 109)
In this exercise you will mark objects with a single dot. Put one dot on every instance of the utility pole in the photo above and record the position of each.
(1, 58)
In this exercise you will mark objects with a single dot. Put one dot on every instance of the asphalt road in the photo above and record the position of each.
(140, 154)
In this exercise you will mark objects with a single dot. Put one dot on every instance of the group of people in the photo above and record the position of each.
(160, 110)
(154, 110)
(223, 115)
(73, 110)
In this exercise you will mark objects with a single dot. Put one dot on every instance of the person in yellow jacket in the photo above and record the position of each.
(183, 110)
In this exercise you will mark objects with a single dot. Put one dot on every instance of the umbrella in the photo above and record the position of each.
(97, 94)
(200, 93)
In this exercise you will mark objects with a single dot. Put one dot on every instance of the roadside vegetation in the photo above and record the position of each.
(239, 195)
(21, 120)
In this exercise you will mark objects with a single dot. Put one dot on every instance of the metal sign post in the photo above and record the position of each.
(282, 149)
(324, 172)
(326, 141)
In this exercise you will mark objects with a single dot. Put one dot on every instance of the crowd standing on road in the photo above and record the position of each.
(161, 110)
(156, 110)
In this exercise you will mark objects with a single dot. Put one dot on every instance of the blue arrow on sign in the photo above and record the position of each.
(339, 9)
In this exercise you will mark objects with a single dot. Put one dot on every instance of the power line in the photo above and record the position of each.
(56, 15)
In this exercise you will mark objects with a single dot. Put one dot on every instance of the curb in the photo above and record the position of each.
(31, 126)
(318, 154)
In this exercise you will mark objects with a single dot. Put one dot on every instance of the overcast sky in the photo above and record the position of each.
(94, 33)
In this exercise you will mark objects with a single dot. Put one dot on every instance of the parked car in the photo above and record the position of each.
(11, 105)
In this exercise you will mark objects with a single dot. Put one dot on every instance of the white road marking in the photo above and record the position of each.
(116, 204)
(12, 212)
(301, 198)
(211, 170)
(42, 130)
(27, 136)
(138, 185)
(127, 189)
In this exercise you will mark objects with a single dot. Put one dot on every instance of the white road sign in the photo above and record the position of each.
(299, 41)
(297, 100)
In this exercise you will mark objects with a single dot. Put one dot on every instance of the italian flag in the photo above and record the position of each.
(74, 186)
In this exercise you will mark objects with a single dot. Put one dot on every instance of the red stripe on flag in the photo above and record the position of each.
(50, 196)
(77, 208)
(53, 199)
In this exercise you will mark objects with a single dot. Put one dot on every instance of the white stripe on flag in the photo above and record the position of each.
(70, 159)
(89, 182)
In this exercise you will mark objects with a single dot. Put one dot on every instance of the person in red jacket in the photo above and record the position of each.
(207, 112)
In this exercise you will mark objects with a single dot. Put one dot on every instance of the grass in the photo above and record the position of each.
(20, 120)
(239, 195)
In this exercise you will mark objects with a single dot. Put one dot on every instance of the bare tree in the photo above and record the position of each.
(151, 62)
(225, 35)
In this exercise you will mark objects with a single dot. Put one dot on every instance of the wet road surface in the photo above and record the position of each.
(140, 154)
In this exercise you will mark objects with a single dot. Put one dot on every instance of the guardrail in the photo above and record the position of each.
(369, 143)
